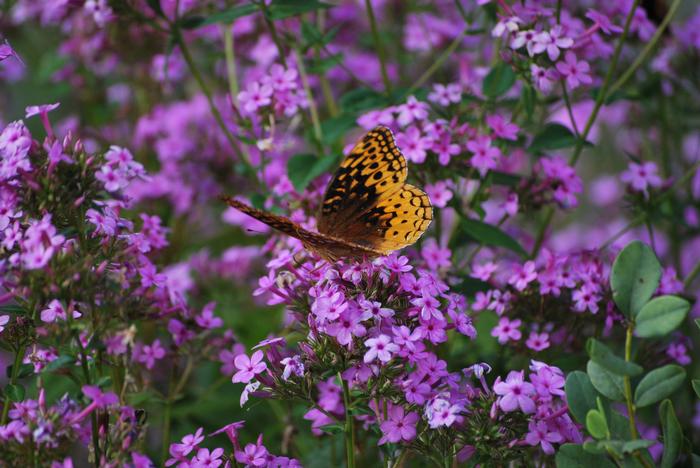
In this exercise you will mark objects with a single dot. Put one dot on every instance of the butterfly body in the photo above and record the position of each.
(368, 209)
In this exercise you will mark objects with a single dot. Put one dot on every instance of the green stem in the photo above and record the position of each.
(212, 106)
(569, 109)
(273, 32)
(13, 380)
(691, 276)
(349, 425)
(318, 135)
(628, 384)
(438, 62)
(229, 53)
(378, 45)
(167, 413)
(641, 58)
(93, 416)
(323, 79)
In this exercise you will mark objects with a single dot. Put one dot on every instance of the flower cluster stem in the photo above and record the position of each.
(19, 355)
(378, 45)
(628, 384)
(349, 425)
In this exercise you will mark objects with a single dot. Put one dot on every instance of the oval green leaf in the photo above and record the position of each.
(658, 384)
(673, 434)
(499, 80)
(553, 136)
(580, 395)
(488, 234)
(15, 392)
(574, 456)
(596, 424)
(661, 316)
(607, 383)
(634, 278)
(604, 356)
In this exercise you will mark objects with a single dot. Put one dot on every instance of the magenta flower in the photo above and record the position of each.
(485, 157)
(501, 128)
(208, 459)
(439, 192)
(40, 110)
(400, 426)
(441, 412)
(641, 176)
(445, 95)
(188, 443)
(428, 305)
(603, 22)
(515, 393)
(292, 366)
(551, 42)
(253, 454)
(149, 354)
(541, 435)
(444, 148)
(574, 71)
(207, 319)
(4, 319)
(523, 275)
(538, 341)
(374, 310)
(348, 325)
(255, 97)
(414, 145)
(543, 78)
(413, 110)
(6, 51)
(507, 330)
(247, 367)
(380, 348)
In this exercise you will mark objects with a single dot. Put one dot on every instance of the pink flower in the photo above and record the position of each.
(444, 148)
(247, 367)
(552, 41)
(3, 321)
(507, 330)
(543, 78)
(541, 435)
(413, 144)
(253, 454)
(445, 95)
(413, 110)
(439, 193)
(501, 128)
(641, 176)
(348, 325)
(515, 393)
(538, 341)
(603, 22)
(149, 354)
(292, 366)
(485, 156)
(575, 71)
(679, 353)
(380, 348)
(207, 319)
(523, 275)
(399, 426)
(255, 97)
(40, 110)
(441, 412)
(436, 257)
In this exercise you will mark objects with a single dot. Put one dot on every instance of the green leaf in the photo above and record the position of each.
(696, 386)
(60, 362)
(593, 446)
(489, 234)
(528, 97)
(658, 384)
(280, 9)
(303, 168)
(607, 383)
(25, 370)
(321, 66)
(661, 316)
(15, 392)
(580, 395)
(470, 286)
(361, 99)
(634, 278)
(574, 456)
(333, 428)
(146, 396)
(227, 16)
(499, 80)
(634, 445)
(604, 356)
(697, 322)
(596, 424)
(554, 136)
(673, 434)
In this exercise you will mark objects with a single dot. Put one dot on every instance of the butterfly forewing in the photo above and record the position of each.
(368, 200)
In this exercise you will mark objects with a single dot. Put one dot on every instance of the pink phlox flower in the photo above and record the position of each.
(485, 157)
(399, 426)
(349, 324)
(292, 366)
(412, 110)
(149, 354)
(515, 393)
(428, 305)
(248, 367)
(603, 22)
(381, 348)
(501, 128)
(414, 145)
(540, 434)
(641, 176)
(253, 454)
(439, 193)
(374, 310)
(524, 275)
(207, 319)
(440, 412)
(507, 330)
(576, 72)
(445, 94)
(538, 341)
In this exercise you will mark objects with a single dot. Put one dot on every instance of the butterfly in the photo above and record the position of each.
(368, 210)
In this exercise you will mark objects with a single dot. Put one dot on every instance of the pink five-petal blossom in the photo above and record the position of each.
(399, 426)
(248, 367)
